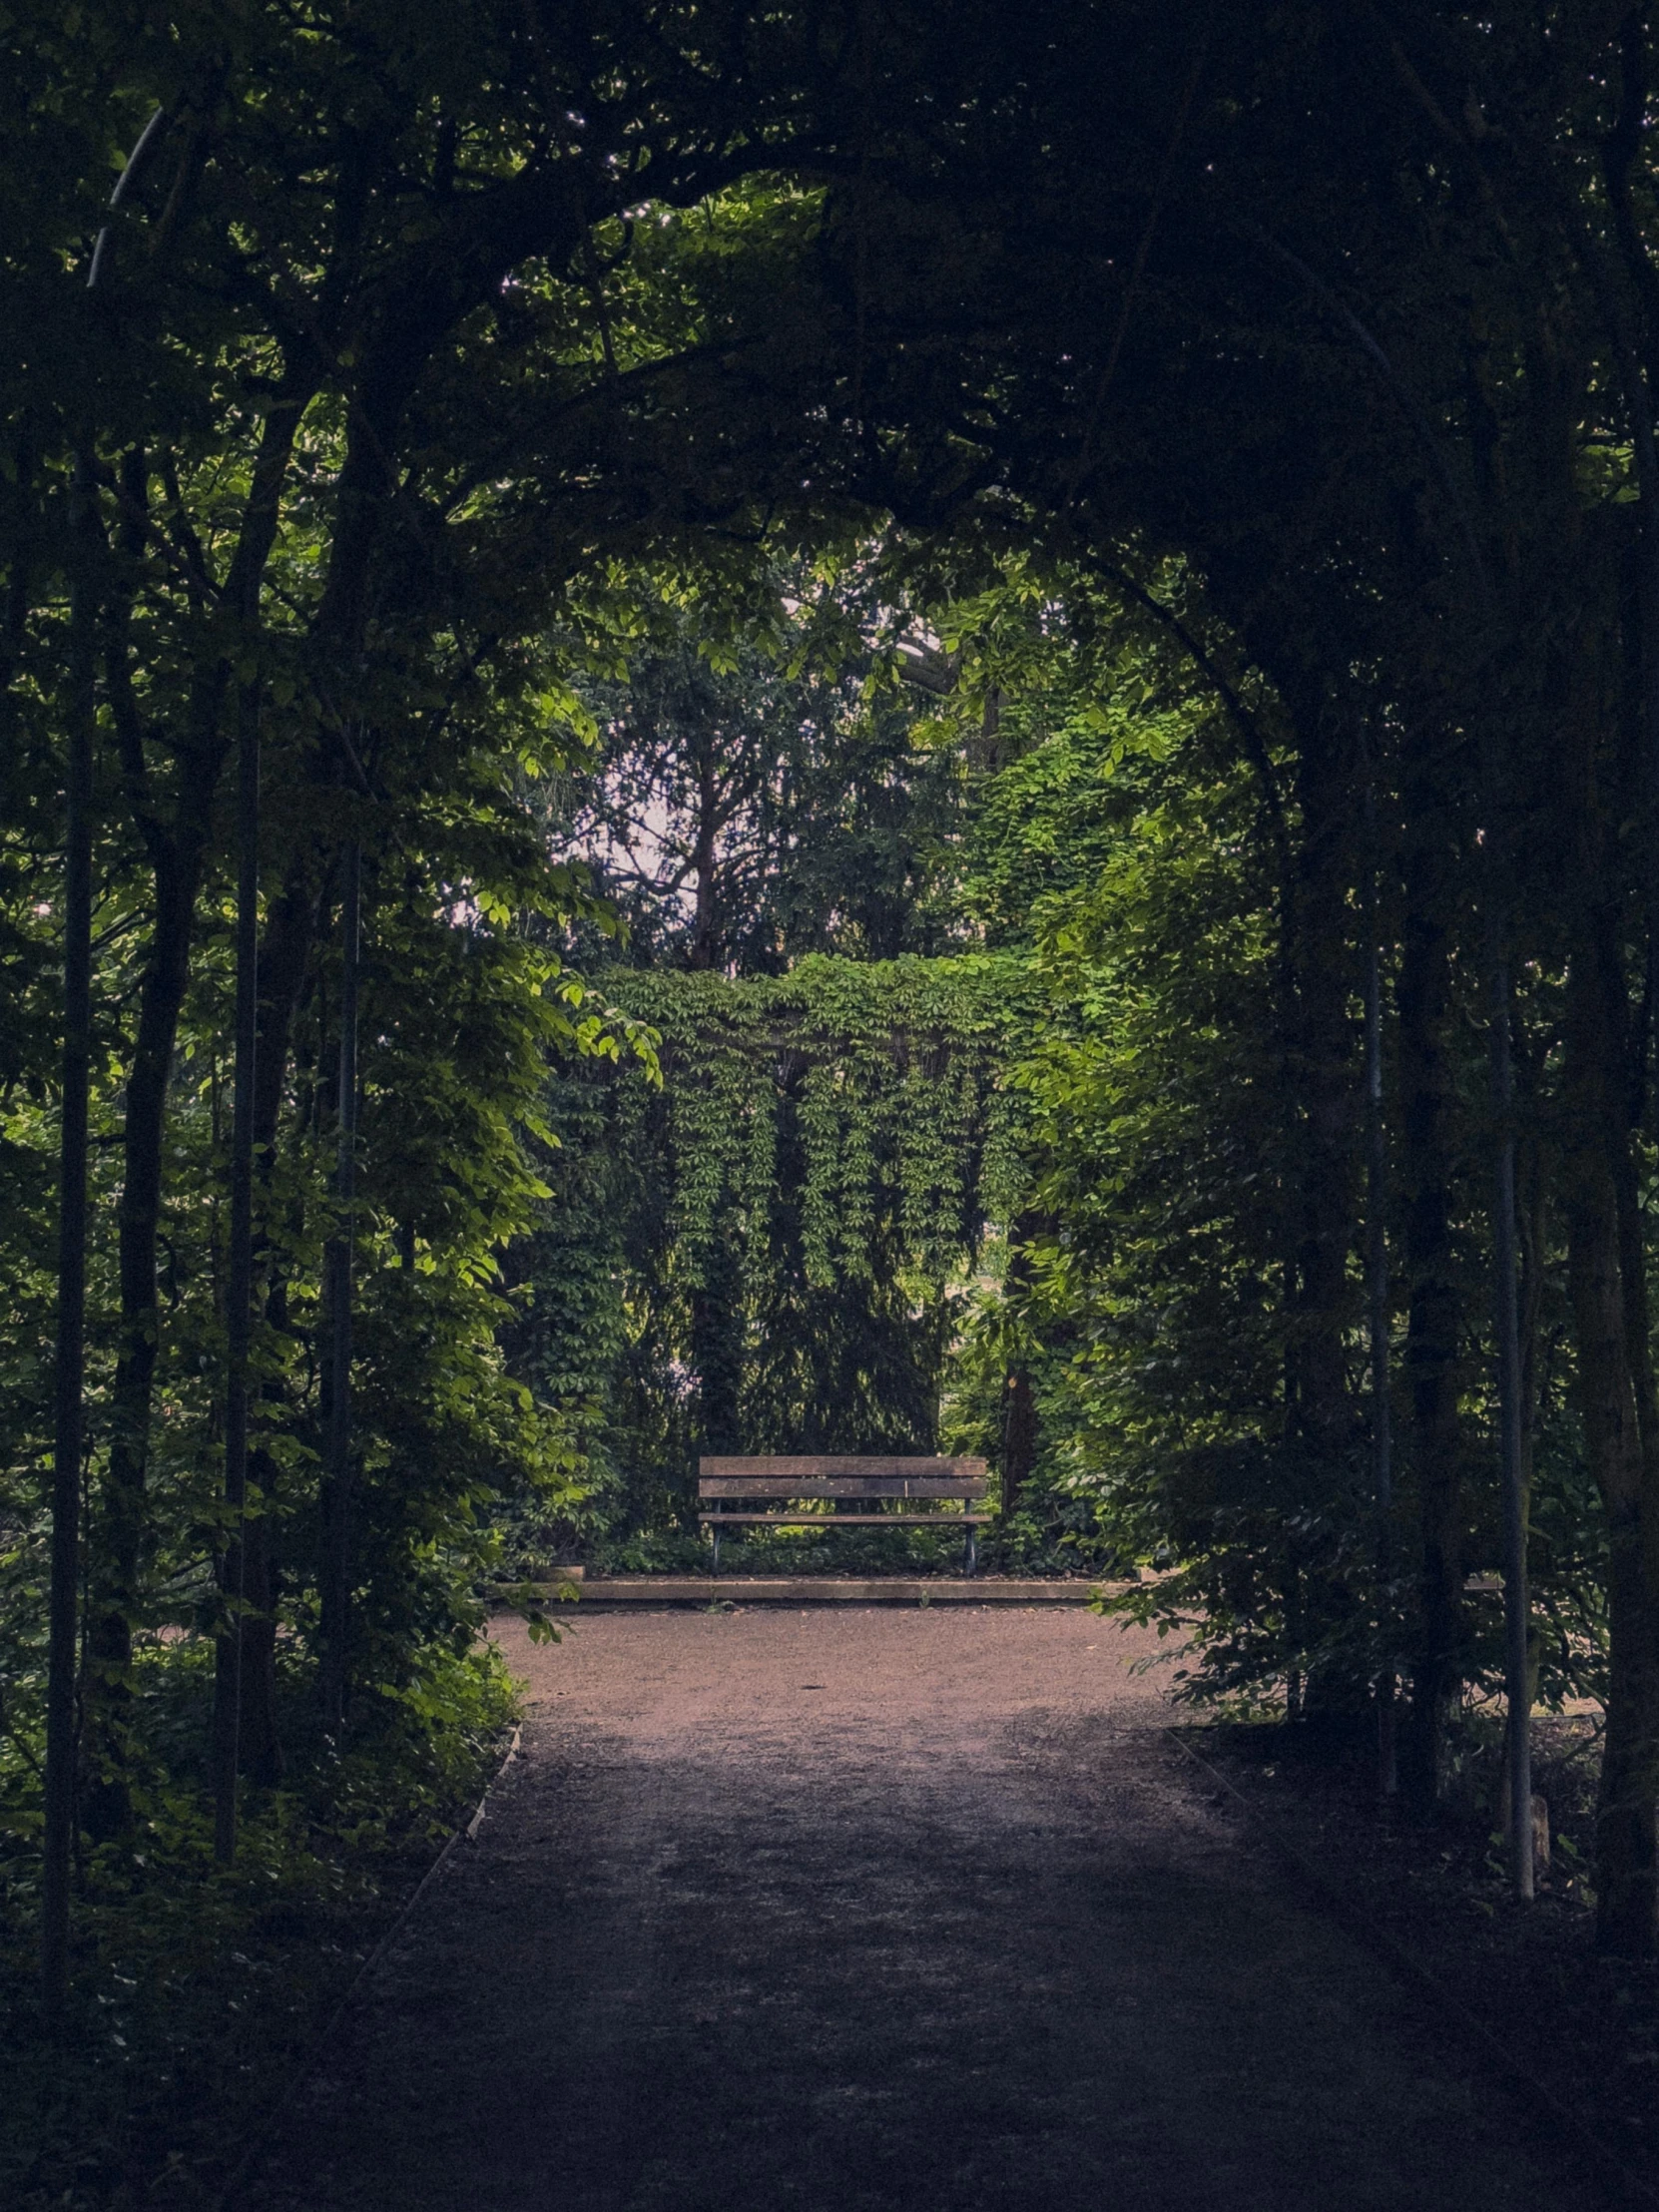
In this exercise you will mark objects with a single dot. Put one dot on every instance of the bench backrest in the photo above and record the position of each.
(839, 1475)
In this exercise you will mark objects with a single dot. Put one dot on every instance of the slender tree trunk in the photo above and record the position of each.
(239, 1299)
(704, 866)
(1627, 1867)
(283, 955)
(1627, 1840)
(338, 1463)
(1377, 1272)
(1019, 1404)
(1626, 1049)
(58, 1842)
(717, 1346)
(1517, 1607)
(1321, 1103)
(118, 1554)
(1327, 1155)
(1327, 1160)
(1434, 1329)
(1019, 1438)
(177, 854)
(260, 1743)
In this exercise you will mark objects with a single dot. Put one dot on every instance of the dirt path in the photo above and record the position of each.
(879, 1911)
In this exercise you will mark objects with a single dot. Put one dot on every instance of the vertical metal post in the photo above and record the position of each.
(68, 1416)
(239, 1302)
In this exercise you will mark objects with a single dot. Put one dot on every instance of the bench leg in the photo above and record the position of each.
(970, 1553)
(714, 1532)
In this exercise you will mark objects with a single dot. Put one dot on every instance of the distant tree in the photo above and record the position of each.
(748, 808)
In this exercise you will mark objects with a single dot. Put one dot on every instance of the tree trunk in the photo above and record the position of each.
(1019, 1438)
(290, 933)
(1019, 1404)
(716, 1346)
(177, 854)
(1323, 1105)
(1328, 1154)
(1378, 1282)
(1327, 1107)
(704, 864)
(227, 1655)
(118, 1554)
(1513, 1495)
(1433, 1330)
(69, 1377)
(1627, 1829)
(340, 1468)
(260, 1753)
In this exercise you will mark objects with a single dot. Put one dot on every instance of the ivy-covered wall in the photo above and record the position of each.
(785, 1221)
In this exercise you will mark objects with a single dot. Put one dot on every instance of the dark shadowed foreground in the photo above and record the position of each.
(871, 1910)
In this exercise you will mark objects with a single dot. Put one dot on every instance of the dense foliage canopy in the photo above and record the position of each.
(955, 721)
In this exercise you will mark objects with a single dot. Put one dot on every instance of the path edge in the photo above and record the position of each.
(1517, 2079)
(259, 2142)
(636, 1593)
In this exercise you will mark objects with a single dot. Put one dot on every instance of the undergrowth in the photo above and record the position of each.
(1028, 1544)
(196, 1989)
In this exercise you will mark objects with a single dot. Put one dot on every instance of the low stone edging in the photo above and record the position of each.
(619, 1591)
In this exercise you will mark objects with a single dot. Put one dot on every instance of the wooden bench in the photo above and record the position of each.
(727, 1486)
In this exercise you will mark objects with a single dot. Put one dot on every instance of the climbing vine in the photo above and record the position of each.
(795, 1209)
(883, 1079)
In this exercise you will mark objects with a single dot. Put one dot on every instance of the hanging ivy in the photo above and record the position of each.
(883, 1080)
(792, 1208)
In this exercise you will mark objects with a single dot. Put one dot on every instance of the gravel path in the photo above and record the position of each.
(871, 1910)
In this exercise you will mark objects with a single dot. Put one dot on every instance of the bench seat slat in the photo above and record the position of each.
(848, 1520)
(821, 1466)
(844, 1486)
(777, 1482)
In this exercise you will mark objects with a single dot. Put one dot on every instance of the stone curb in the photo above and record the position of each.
(618, 1591)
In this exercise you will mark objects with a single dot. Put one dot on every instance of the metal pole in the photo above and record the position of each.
(238, 1315)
